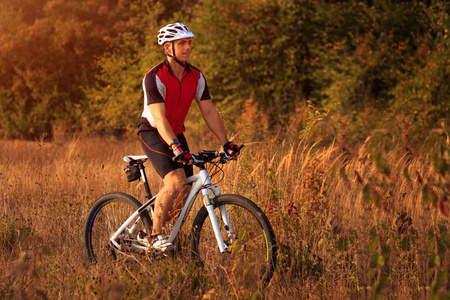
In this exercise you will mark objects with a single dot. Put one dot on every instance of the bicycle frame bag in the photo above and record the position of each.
(132, 173)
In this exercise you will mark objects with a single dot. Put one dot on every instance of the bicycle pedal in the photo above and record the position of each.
(167, 252)
(156, 254)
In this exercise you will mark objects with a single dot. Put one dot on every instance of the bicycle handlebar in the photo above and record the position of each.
(202, 157)
(209, 155)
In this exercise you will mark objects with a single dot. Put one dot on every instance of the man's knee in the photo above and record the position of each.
(174, 189)
(175, 182)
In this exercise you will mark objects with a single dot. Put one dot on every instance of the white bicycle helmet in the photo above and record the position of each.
(173, 32)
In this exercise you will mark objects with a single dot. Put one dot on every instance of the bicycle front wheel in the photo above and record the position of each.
(105, 217)
(251, 254)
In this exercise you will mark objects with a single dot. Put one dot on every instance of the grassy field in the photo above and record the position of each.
(357, 224)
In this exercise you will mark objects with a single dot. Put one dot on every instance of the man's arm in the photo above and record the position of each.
(213, 120)
(158, 111)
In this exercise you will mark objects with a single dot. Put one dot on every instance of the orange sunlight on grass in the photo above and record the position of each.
(347, 226)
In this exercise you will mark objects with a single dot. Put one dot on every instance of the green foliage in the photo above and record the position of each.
(393, 64)
(113, 103)
(353, 56)
(372, 63)
(259, 50)
(234, 40)
(46, 54)
(423, 96)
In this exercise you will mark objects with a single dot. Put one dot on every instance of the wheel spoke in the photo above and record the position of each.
(105, 218)
(250, 257)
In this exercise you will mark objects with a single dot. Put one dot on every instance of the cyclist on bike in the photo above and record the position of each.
(169, 89)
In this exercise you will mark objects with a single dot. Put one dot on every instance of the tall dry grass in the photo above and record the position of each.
(348, 225)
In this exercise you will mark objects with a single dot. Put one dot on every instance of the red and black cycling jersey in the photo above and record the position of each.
(162, 86)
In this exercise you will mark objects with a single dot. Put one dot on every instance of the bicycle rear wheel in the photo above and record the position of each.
(105, 217)
(251, 255)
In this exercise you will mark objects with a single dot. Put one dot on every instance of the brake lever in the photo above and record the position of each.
(226, 156)
(196, 160)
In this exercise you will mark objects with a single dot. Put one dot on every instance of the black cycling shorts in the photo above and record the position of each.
(160, 154)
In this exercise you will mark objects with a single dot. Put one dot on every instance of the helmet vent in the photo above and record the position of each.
(174, 32)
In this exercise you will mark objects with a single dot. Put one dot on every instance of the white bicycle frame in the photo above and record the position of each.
(202, 182)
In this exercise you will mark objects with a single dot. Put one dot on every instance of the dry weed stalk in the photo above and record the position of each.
(335, 239)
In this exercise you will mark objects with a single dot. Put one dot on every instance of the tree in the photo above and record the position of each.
(47, 50)
(113, 104)
(244, 51)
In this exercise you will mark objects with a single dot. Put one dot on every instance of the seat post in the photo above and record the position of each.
(144, 180)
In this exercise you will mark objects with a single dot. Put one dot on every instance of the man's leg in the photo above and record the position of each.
(172, 193)
(179, 203)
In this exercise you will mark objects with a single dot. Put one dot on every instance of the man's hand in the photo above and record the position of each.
(182, 155)
(231, 149)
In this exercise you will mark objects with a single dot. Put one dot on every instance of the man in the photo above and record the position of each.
(169, 89)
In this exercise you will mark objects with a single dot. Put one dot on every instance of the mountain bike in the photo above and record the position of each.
(229, 233)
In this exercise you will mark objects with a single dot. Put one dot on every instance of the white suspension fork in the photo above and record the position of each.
(215, 225)
(210, 208)
(226, 221)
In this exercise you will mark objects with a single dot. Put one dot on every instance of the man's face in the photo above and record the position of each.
(183, 49)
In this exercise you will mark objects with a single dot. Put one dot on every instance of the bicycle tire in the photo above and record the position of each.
(106, 216)
(251, 258)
